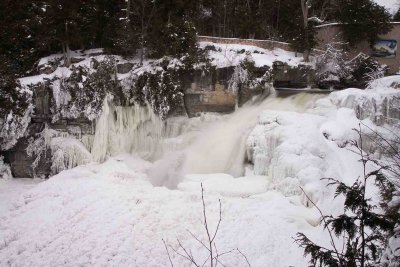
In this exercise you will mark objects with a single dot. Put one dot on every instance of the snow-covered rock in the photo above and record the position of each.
(5, 171)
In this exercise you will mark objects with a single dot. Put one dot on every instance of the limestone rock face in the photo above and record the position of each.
(124, 68)
(47, 69)
(204, 92)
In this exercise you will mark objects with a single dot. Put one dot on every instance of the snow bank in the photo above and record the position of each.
(11, 191)
(110, 214)
(298, 148)
(227, 55)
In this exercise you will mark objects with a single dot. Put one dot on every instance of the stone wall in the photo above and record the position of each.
(331, 33)
(265, 44)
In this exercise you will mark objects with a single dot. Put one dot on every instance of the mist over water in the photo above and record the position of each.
(207, 144)
(221, 147)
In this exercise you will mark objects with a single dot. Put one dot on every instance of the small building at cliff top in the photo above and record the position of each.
(385, 50)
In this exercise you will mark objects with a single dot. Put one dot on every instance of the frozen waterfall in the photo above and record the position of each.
(133, 129)
(210, 143)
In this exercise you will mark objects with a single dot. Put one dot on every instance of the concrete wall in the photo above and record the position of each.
(210, 92)
(331, 33)
(220, 101)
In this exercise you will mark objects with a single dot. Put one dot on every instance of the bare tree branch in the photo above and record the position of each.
(244, 256)
(169, 256)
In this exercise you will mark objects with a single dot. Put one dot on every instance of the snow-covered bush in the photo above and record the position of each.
(82, 93)
(15, 111)
(330, 65)
(375, 74)
(161, 86)
(246, 74)
(360, 68)
(333, 70)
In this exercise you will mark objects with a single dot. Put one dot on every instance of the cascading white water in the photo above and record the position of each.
(221, 148)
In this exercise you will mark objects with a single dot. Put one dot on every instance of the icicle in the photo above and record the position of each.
(135, 130)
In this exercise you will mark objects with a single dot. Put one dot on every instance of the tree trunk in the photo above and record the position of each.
(68, 53)
(305, 8)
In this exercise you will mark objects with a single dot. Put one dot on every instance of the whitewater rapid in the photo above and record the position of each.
(221, 148)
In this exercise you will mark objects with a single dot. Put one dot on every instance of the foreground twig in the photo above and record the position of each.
(169, 256)
(213, 255)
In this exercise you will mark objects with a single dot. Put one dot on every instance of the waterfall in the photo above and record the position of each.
(211, 143)
(221, 148)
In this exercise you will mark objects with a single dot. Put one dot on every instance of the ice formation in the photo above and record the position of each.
(134, 129)
(66, 151)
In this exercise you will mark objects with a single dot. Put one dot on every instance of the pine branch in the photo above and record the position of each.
(325, 222)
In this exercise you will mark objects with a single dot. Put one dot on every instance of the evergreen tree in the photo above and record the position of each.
(363, 227)
(125, 39)
(362, 20)
(396, 16)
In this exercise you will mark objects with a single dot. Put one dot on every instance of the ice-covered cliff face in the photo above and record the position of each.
(380, 102)
(297, 148)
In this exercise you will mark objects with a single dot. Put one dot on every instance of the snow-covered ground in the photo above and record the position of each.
(111, 214)
(225, 55)
(11, 190)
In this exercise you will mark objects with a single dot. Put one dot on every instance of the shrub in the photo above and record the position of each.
(85, 90)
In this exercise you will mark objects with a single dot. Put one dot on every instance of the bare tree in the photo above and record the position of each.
(213, 258)
(305, 9)
(145, 14)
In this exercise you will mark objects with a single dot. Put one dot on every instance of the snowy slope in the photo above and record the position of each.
(110, 215)
(226, 55)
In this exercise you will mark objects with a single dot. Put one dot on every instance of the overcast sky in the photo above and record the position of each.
(392, 5)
